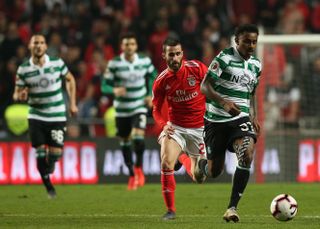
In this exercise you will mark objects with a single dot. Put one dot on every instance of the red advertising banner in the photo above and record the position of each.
(18, 164)
(4, 163)
(71, 163)
(88, 163)
(33, 174)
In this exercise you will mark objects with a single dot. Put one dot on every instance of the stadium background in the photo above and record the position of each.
(86, 33)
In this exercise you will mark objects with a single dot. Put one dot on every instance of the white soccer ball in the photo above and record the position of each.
(284, 207)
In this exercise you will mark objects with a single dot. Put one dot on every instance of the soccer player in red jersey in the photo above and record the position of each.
(179, 85)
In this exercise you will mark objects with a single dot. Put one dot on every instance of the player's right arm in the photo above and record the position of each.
(107, 84)
(158, 97)
(21, 90)
(207, 88)
(20, 94)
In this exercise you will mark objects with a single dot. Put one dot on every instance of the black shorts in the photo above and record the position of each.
(47, 133)
(125, 124)
(219, 137)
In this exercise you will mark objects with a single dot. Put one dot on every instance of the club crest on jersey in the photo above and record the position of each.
(214, 66)
(191, 80)
(51, 70)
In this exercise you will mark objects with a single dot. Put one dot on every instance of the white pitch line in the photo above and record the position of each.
(137, 216)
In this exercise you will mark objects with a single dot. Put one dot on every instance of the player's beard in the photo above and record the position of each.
(174, 65)
(250, 51)
(38, 55)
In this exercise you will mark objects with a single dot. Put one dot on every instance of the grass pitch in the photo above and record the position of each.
(112, 206)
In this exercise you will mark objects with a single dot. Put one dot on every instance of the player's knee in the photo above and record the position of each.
(41, 152)
(167, 164)
(55, 151)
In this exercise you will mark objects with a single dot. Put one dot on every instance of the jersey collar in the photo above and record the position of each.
(238, 54)
(46, 60)
(135, 58)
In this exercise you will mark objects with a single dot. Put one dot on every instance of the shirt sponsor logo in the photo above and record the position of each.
(44, 83)
(183, 98)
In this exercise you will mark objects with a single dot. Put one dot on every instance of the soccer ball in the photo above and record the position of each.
(284, 207)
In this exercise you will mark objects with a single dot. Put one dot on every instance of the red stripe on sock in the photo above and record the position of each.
(168, 188)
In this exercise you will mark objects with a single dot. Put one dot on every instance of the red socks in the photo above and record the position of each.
(168, 188)
(185, 160)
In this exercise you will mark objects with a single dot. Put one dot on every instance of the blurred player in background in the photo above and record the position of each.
(179, 85)
(230, 86)
(39, 80)
(129, 77)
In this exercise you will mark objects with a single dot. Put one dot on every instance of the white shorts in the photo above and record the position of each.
(190, 140)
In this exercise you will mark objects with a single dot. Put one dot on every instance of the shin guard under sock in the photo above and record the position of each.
(168, 188)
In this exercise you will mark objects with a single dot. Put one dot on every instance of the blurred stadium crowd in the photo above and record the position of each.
(85, 33)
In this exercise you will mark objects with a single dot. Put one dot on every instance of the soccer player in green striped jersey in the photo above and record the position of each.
(129, 77)
(39, 81)
(230, 124)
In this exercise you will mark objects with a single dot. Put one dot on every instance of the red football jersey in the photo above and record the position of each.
(181, 89)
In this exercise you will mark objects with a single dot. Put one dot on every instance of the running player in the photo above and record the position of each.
(179, 84)
(230, 86)
(39, 80)
(129, 77)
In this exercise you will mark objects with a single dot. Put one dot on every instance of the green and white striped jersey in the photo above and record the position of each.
(45, 88)
(137, 77)
(236, 80)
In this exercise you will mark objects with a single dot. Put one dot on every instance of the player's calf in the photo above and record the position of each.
(52, 159)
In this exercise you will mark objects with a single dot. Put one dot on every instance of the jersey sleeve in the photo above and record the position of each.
(107, 83)
(63, 67)
(158, 98)
(216, 67)
(20, 79)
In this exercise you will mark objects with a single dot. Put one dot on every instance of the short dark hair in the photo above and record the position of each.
(170, 41)
(246, 28)
(128, 35)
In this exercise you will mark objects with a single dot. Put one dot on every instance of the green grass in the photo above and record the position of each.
(111, 206)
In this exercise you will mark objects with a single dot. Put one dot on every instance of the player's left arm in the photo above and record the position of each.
(253, 114)
(71, 90)
(254, 106)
